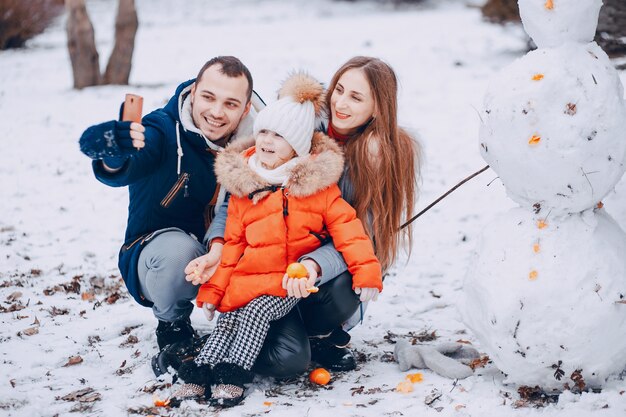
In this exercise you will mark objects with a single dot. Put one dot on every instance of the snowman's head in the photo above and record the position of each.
(551, 23)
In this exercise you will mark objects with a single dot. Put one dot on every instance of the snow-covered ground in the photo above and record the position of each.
(60, 229)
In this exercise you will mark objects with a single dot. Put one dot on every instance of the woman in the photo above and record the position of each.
(380, 182)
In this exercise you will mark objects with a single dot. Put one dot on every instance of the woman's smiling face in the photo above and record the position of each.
(351, 102)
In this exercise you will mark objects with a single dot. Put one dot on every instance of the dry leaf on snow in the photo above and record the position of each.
(73, 360)
(14, 296)
(30, 331)
(83, 395)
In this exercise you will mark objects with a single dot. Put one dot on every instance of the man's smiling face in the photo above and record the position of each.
(219, 102)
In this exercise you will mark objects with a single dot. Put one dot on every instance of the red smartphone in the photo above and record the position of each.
(133, 105)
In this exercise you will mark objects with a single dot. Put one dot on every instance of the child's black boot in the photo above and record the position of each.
(197, 380)
(229, 384)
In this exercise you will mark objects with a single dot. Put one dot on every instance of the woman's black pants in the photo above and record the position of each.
(286, 351)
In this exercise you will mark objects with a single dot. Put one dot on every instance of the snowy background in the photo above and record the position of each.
(67, 325)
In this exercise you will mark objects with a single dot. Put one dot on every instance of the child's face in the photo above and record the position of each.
(272, 149)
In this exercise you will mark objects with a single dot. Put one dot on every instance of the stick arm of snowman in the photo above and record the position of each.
(431, 205)
(437, 357)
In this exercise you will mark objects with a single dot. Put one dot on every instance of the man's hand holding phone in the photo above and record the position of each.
(131, 112)
(114, 141)
(136, 130)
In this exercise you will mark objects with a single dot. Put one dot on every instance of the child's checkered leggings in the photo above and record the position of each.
(239, 335)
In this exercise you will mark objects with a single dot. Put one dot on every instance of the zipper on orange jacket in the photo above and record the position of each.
(285, 214)
(285, 202)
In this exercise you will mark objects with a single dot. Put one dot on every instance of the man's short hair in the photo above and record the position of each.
(231, 67)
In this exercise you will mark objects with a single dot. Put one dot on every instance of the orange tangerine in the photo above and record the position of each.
(536, 248)
(537, 77)
(159, 402)
(541, 224)
(534, 140)
(319, 376)
(416, 377)
(549, 5)
(533, 275)
(405, 387)
(297, 270)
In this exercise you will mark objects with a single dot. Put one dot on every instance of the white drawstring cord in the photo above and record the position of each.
(179, 149)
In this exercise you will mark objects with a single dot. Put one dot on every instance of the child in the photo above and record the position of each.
(284, 202)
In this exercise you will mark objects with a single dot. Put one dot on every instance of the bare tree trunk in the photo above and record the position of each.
(120, 62)
(611, 33)
(501, 11)
(82, 45)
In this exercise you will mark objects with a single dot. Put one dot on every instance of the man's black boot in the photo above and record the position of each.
(175, 331)
(174, 355)
(331, 356)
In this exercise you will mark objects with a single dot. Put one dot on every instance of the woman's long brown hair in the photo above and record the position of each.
(385, 184)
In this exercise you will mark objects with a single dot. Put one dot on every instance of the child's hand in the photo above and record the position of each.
(298, 287)
(208, 310)
(367, 294)
(201, 269)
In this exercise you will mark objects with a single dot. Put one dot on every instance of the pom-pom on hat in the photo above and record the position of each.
(300, 101)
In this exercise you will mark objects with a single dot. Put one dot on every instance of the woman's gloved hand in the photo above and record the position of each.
(367, 294)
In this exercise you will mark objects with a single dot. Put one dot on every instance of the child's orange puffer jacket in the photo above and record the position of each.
(269, 227)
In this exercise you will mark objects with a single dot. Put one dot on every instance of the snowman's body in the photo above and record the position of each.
(545, 295)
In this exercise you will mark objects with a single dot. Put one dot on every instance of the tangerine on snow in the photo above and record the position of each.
(416, 377)
(297, 270)
(549, 5)
(159, 402)
(537, 77)
(319, 376)
(405, 387)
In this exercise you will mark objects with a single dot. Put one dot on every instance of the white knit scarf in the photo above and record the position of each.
(276, 176)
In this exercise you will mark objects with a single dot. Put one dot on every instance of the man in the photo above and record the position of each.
(167, 163)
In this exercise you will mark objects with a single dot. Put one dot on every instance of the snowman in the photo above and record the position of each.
(546, 291)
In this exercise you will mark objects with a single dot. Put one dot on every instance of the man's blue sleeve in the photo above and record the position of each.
(218, 225)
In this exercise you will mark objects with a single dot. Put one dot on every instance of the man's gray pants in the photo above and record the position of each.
(161, 270)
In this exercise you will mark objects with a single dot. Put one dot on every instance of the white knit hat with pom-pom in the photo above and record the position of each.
(300, 101)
